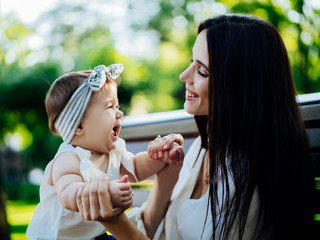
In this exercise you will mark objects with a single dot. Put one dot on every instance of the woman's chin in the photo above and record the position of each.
(190, 109)
(195, 110)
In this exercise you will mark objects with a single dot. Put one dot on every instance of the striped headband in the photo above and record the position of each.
(71, 116)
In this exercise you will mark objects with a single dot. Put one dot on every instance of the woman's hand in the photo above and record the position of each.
(94, 203)
(168, 149)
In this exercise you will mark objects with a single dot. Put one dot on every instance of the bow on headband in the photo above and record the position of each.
(71, 116)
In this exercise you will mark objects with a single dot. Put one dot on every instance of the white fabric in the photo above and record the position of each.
(185, 217)
(51, 220)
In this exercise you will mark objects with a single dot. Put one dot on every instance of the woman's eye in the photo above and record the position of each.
(201, 73)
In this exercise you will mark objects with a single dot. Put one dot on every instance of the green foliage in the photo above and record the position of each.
(153, 39)
(23, 191)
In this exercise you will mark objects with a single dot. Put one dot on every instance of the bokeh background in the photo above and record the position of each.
(41, 40)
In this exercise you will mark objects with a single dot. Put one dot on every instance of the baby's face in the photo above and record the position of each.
(102, 121)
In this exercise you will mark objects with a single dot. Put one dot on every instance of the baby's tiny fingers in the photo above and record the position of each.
(126, 193)
(126, 199)
(160, 154)
(127, 204)
(125, 186)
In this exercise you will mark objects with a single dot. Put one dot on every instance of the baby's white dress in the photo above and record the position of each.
(51, 220)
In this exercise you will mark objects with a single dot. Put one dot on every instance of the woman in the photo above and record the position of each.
(248, 176)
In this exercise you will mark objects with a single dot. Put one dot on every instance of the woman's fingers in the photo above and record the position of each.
(171, 138)
(104, 199)
(176, 154)
(94, 201)
(79, 201)
(159, 145)
(86, 202)
(155, 148)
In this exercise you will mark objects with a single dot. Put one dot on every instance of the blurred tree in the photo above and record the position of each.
(299, 24)
(153, 39)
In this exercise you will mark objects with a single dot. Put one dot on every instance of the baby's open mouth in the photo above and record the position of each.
(116, 131)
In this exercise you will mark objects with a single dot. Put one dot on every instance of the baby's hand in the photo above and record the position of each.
(168, 149)
(121, 192)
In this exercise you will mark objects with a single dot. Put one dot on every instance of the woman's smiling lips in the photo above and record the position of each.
(191, 95)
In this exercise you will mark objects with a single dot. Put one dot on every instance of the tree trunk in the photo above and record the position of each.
(4, 229)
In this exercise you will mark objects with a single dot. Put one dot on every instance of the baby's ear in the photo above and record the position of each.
(80, 131)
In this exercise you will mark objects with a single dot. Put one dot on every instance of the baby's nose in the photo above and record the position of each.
(119, 114)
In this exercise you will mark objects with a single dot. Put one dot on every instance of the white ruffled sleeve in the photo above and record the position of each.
(126, 157)
(135, 216)
(88, 171)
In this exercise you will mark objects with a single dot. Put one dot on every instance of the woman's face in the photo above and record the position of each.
(196, 77)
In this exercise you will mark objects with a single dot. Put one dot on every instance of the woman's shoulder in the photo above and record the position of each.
(194, 151)
(196, 143)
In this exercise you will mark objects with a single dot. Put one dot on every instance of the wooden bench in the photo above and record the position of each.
(139, 130)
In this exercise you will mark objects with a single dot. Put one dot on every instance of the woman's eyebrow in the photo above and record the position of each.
(202, 64)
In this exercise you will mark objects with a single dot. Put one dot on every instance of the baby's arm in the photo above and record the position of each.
(145, 165)
(67, 179)
(120, 192)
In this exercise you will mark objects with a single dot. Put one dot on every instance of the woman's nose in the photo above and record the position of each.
(185, 76)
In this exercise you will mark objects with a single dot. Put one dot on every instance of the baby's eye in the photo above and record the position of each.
(118, 106)
(110, 106)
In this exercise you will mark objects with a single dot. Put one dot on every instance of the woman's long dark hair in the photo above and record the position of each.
(254, 118)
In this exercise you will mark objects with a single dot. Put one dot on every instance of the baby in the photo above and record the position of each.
(83, 109)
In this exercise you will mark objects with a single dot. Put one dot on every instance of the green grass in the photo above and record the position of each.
(19, 214)
(317, 180)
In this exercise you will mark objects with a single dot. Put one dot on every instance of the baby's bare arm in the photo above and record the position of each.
(172, 152)
(145, 166)
(67, 179)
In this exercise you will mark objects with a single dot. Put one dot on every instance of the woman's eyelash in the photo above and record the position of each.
(199, 72)
(202, 74)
